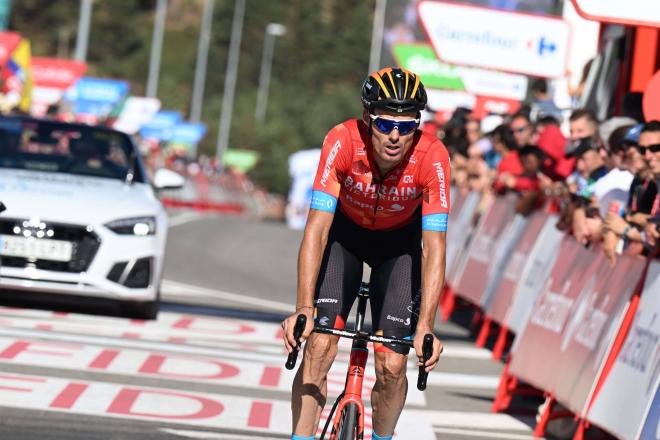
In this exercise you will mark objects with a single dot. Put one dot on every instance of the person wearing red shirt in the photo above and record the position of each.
(381, 189)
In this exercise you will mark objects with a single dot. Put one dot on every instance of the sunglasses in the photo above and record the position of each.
(387, 125)
(655, 148)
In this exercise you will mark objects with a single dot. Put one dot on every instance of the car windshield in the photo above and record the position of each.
(58, 147)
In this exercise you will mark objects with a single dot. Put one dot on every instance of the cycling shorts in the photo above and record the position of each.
(394, 292)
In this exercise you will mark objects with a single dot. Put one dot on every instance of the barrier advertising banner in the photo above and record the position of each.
(505, 245)
(474, 277)
(494, 39)
(631, 385)
(534, 274)
(512, 273)
(573, 322)
(459, 232)
(592, 326)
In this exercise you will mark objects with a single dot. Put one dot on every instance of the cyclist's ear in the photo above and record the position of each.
(365, 116)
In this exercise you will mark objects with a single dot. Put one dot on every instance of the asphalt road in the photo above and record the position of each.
(211, 366)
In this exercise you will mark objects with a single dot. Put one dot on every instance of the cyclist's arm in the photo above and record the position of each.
(433, 277)
(335, 157)
(310, 255)
(435, 178)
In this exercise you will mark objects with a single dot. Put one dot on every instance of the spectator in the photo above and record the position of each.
(543, 104)
(522, 128)
(583, 124)
(627, 232)
(649, 142)
(552, 142)
(504, 144)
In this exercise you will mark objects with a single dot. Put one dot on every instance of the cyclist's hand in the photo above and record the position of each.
(437, 348)
(289, 323)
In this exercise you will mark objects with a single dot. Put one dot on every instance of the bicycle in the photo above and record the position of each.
(348, 423)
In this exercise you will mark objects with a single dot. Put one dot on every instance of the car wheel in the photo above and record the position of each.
(141, 310)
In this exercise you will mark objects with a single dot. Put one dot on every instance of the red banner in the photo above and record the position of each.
(472, 282)
(573, 322)
(8, 42)
(503, 297)
(57, 73)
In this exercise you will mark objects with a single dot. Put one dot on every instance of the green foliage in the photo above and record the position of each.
(317, 70)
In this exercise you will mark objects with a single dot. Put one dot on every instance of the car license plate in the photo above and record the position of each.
(35, 248)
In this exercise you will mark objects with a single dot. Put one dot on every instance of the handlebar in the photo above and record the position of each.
(427, 347)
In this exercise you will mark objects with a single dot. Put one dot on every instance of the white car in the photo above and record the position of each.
(82, 217)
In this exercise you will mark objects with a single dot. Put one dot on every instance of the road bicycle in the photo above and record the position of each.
(348, 409)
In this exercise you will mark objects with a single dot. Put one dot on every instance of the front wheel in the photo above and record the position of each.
(349, 428)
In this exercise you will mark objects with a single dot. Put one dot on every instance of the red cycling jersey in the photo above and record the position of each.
(348, 173)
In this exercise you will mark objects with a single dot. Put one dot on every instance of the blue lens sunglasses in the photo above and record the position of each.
(387, 125)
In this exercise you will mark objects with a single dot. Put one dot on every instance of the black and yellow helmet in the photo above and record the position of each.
(395, 89)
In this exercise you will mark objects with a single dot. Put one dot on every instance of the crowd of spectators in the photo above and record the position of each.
(600, 177)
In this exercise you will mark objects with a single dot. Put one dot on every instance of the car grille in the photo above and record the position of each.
(85, 245)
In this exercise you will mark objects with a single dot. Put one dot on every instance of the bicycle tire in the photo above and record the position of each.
(348, 424)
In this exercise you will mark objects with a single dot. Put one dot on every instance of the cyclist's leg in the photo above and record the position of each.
(395, 287)
(338, 282)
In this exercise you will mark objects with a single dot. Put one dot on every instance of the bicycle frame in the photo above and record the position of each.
(356, 366)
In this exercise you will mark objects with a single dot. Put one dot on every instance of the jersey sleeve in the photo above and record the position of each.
(332, 165)
(435, 178)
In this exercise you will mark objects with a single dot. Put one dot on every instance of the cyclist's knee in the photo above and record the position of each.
(321, 348)
(390, 367)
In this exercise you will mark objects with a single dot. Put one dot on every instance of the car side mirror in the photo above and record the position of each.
(167, 179)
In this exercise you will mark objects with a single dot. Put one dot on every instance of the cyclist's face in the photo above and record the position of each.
(390, 148)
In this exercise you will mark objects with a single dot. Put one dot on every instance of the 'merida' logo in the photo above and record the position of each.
(328, 163)
(441, 180)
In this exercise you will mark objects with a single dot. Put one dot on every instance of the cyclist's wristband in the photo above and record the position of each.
(304, 307)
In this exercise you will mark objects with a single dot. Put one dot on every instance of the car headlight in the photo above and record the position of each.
(140, 226)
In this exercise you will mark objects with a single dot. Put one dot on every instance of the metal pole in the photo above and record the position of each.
(202, 57)
(83, 30)
(230, 81)
(156, 48)
(264, 77)
(377, 35)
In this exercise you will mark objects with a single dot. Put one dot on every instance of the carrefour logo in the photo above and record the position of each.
(543, 46)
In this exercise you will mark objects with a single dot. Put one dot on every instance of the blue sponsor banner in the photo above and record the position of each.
(161, 126)
(101, 90)
(188, 133)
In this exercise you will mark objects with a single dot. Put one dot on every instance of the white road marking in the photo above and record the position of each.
(130, 402)
(483, 434)
(459, 380)
(183, 218)
(478, 420)
(169, 287)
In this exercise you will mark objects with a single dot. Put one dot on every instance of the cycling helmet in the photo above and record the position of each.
(395, 89)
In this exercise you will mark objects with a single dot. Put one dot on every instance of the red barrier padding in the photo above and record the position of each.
(473, 279)
(204, 205)
(573, 322)
(628, 391)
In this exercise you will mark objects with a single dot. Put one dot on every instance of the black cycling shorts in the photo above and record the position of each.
(394, 291)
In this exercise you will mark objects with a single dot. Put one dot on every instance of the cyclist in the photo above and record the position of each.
(381, 189)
